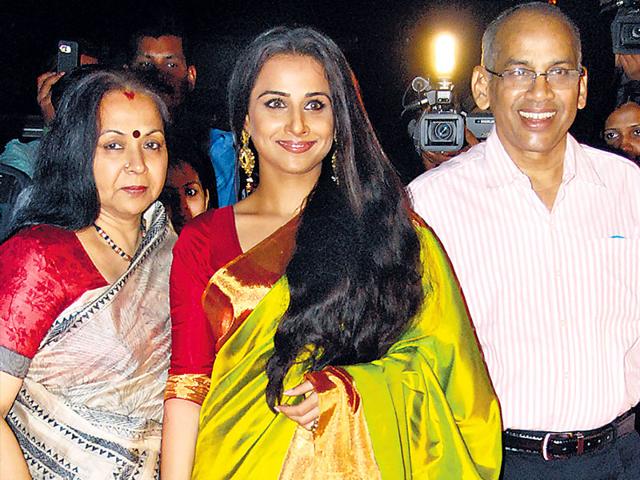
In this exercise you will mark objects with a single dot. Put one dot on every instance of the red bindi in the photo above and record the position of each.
(129, 94)
(136, 133)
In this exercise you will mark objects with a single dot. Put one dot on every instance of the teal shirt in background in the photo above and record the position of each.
(21, 156)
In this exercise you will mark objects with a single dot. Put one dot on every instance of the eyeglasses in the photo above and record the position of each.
(524, 78)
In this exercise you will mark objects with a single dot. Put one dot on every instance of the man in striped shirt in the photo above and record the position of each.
(544, 235)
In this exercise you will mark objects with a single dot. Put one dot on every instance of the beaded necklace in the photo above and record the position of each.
(113, 245)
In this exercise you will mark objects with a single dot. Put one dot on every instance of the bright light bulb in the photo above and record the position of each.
(445, 55)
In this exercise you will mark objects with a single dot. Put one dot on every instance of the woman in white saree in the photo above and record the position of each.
(84, 312)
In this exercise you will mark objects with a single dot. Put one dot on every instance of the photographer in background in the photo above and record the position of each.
(21, 155)
(630, 64)
(18, 158)
(431, 159)
(441, 128)
(162, 46)
(629, 78)
(88, 54)
(625, 37)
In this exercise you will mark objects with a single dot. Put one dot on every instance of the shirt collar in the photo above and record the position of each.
(500, 170)
(578, 164)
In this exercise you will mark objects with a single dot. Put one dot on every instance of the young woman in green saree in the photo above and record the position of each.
(317, 327)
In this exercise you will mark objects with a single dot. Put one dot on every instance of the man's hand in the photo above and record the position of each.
(433, 159)
(45, 82)
(306, 412)
(630, 63)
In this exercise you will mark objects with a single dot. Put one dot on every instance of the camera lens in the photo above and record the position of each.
(442, 131)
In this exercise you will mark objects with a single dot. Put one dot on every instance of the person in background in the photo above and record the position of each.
(322, 313)
(88, 54)
(84, 309)
(629, 63)
(191, 184)
(163, 46)
(628, 67)
(18, 160)
(543, 235)
(622, 130)
(22, 155)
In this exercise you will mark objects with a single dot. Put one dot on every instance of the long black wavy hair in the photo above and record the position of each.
(355, 274)
(64, 191)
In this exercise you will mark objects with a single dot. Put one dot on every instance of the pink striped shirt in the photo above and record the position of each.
(554, 295)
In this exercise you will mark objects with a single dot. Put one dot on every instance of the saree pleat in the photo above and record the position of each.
(341, 446)
(427, 406)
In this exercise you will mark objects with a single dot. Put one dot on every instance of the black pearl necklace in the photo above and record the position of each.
(113, 244)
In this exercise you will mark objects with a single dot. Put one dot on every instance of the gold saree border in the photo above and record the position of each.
(235, 289)
(188, 386)
(342, 438)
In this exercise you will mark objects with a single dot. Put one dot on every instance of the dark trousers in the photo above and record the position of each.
(619, 460)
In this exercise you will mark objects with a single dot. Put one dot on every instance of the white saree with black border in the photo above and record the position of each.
(92, 400)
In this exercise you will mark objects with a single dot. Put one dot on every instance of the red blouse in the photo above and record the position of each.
(43, 270)
(206, 244)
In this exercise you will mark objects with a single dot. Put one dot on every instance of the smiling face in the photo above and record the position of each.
(290, 118)
(130, 161)
(532, 123)
(622, 130)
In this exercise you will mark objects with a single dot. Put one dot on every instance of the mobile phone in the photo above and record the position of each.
(67, 56)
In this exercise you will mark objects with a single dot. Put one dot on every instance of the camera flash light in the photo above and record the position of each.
(445, 55)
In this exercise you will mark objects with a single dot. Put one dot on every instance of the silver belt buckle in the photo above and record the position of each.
(579, 436)
(545, 444)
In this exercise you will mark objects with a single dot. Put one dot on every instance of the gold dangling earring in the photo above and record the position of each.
(247, 160)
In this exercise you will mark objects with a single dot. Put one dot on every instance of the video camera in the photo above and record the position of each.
(440, 127)
(625, 27)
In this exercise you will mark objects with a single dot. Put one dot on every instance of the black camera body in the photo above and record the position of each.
(480, 124)
(438, 131)
(625, 31)
(625, 26)
(440, 126)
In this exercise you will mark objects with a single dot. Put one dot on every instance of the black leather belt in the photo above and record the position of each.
(554, 445)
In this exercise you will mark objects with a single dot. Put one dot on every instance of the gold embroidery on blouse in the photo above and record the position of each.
(188, 386)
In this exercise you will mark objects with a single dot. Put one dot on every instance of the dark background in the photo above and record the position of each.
(387, 43)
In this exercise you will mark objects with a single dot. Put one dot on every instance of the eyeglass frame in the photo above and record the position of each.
(581, 73)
